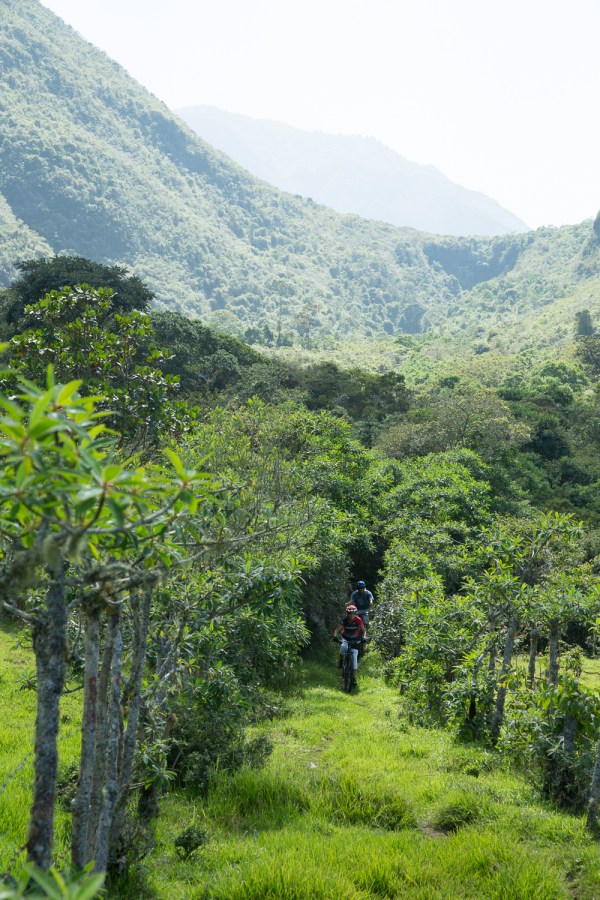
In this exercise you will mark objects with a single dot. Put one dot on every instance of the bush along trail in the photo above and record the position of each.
(357, 803)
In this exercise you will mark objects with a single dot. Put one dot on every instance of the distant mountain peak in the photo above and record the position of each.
(351, 174)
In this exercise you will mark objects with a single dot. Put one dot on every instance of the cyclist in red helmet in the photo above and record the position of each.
(352, 629)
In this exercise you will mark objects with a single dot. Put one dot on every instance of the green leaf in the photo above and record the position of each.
(111, 473)
(68, 391)
(117, 510)
(54, 885)
(176, 463)
(90, 888)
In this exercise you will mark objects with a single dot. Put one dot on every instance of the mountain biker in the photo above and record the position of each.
(363, 600)
(353, 632)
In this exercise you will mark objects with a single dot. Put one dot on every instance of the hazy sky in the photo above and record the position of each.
(501, 95)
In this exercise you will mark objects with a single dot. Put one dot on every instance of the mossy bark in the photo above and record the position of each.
(50, 647)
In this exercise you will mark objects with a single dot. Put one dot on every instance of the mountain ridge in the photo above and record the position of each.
(92, 164)
(354, 174)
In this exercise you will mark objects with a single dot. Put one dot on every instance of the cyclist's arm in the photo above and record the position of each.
(337, 630)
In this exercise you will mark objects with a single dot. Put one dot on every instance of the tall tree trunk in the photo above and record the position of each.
(134, 702)
(101, 734)
(50, 646)
(112, 757)
(594, 798)
(566, 775)
(533, 648)
(498, 713)
(553, 654)
(569, 735)
(493, 649)
(81, 803)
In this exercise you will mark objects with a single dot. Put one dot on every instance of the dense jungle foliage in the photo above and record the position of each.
(180, 515)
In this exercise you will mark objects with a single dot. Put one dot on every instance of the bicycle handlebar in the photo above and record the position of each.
(338, 640)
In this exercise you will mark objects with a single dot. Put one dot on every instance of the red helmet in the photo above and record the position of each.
(351, 608)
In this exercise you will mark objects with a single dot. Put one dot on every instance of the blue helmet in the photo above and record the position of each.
(361, 584)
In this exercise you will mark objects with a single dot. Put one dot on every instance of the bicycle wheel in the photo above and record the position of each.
(348, 672)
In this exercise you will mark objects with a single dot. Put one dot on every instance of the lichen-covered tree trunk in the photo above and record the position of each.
(101, 734)
(493, 649)
(566, 783)
(553, 654)
(498, 713)
(594, 797)
(133, 700)
(50, 647)
(112, 757)
(81, 803)
(533, 648)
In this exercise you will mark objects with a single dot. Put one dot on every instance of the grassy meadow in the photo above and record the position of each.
(355, 803)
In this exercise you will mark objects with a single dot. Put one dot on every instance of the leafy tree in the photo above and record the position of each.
(305, 468)
(112, 354)
(548, 439)
(87, 538)
(433, 515)
(588, 352)
(359, 394)
(192, 349)
(80, 532)
(460, 416)
(584, 326)
(41, 276)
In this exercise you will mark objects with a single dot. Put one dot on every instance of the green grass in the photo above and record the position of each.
(17, 714)
(353, 804)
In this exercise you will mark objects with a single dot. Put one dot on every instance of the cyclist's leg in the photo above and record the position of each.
(343, 651)
(347, 667)
(354, 652)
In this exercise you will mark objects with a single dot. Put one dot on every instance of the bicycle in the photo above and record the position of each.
(348, 670)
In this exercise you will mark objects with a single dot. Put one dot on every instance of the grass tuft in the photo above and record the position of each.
(256, 799)
(457, 809)
(351, 800)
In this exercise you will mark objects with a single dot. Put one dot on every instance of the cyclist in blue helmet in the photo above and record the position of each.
(363, 600)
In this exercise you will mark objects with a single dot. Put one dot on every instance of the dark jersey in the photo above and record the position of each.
(351, 630)
(361, 599)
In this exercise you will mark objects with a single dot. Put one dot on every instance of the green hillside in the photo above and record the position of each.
(92, 164)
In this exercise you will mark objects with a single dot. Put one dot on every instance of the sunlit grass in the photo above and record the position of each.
(354, 803)
(17, 712)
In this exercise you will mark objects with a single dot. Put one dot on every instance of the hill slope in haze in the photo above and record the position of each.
(92, 164)
(351, 174)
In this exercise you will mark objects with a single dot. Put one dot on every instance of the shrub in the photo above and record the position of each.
(189, 840)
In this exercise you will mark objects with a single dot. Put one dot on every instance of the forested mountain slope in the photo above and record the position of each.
(92, 164)
(351, 174)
